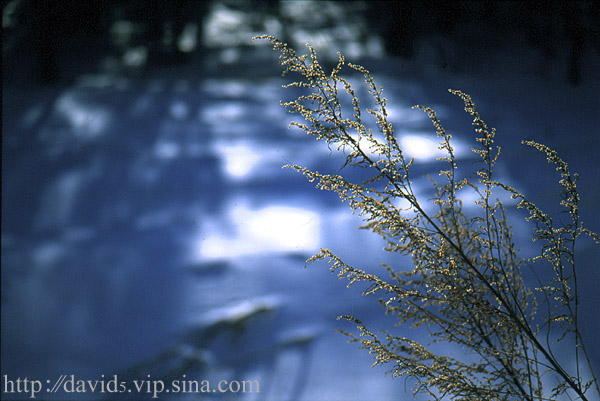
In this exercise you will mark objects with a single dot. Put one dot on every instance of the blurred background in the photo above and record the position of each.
(147, 225)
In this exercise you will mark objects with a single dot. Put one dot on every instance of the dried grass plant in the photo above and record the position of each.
(465, 283)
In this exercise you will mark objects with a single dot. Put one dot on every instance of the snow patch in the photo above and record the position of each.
(241, 311)
(425, 148)
(266, 230)
(86, 121)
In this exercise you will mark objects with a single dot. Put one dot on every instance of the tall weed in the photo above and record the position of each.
(465, 284)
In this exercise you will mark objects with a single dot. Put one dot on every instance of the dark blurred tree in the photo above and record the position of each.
(63, 29)
(55, 40)
(565, 29)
